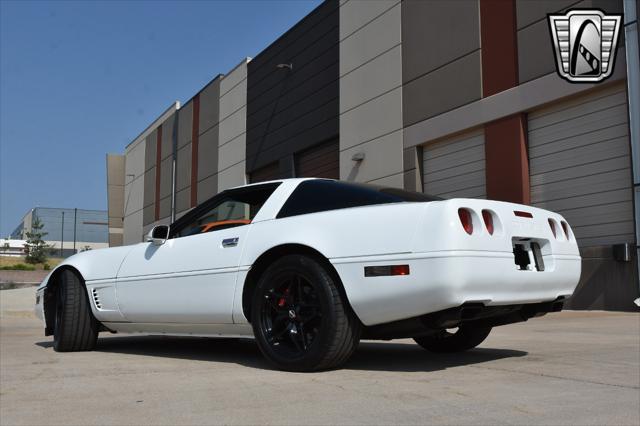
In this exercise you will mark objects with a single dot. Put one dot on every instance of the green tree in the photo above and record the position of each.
(35, 247)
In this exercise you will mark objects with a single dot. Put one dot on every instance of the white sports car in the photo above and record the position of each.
(310, 266)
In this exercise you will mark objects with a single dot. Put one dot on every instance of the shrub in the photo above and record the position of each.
(46, 267)
(18, 267)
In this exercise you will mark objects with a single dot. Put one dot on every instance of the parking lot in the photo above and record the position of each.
(567, 368)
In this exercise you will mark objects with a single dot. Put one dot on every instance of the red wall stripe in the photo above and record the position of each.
(195, 130)
(158, 161)
(499, 45)
(507, 162)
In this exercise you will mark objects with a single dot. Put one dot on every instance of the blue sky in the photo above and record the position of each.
(81, 79)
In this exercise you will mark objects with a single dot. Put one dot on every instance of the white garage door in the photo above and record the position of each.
(580, 165)
(455, 167)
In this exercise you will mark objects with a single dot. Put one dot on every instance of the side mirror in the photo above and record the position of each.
(158, 235)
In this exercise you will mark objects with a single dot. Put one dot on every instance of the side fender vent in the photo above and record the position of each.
(96, 299)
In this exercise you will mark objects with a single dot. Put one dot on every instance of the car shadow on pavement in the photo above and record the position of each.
(371, 355)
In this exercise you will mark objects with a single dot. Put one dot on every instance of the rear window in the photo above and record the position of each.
(313, 196)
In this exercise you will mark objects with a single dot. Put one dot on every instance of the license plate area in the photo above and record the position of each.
(527, 254)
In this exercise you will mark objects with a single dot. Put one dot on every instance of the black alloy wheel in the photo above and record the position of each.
(300, 320)
(291, 315)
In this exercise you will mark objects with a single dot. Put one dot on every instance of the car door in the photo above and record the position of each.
(191, 277)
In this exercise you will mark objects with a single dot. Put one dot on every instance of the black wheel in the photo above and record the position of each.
(299, 318)
(463, 339)
(75, 327)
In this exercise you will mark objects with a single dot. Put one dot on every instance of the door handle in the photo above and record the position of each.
(230, 242)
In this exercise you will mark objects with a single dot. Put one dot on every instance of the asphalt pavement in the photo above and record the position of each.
(566, 368)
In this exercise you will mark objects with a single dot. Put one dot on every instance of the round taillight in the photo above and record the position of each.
(565, 228)
(465, 220)
(488, 221)
(552, 225)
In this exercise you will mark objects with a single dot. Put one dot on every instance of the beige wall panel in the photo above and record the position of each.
(358, 13)
(371, 120)
(183, 167)
(207, 188)
(165, 177)
(167, 137)
(185, 124)
(208, 154)
(232, 176)
(379, 36)
(383, 157)
(371, 80)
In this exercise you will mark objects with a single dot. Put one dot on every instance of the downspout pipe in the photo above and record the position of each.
(633, 93)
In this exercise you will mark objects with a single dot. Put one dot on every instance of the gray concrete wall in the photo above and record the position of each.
(140, 181)
(371, 91)
(208, 140)
(440, 57)
(232, 140)
(115, 198)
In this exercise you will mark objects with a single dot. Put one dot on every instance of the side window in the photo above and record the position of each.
(227, 214)
(236, 207)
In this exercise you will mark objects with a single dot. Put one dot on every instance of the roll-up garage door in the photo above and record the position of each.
(319, 161)
(270, 172)
(580, 165)
(455, 167)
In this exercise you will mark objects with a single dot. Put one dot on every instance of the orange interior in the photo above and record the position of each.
(207, 227)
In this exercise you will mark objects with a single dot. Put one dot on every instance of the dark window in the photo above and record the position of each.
(321, 195)
(231, 208)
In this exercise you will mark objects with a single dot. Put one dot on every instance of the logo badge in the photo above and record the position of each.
(585, 44)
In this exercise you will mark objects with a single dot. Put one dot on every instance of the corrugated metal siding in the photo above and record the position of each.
(580, 165)
(270, 172)
(455, 167)
(320, 161)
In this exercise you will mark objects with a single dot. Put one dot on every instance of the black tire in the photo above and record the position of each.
(75, 327)
(299, 318)
(465, 338)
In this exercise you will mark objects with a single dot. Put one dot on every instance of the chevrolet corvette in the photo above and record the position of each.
(308, 267)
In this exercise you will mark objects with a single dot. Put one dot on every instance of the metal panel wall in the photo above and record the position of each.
(289, 110)
(268, 172)
(580, 165)
(440, 57)
(115, 198)
(232, 141)
(455, 167)
(371, 92)
(319, 161)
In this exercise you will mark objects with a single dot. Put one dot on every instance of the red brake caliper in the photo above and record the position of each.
(282, 301)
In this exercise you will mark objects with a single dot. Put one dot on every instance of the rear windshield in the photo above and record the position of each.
(321, 195)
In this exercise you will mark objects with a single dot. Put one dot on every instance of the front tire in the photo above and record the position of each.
(75, 327)
(299, 318)
(463, 339)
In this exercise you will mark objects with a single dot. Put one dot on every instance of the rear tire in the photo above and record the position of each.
(75, 327)
(299, 318)
(465, 338)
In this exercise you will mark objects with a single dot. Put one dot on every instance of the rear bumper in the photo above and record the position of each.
(447, 279)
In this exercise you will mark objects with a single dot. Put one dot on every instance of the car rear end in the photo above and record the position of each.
(471, 253)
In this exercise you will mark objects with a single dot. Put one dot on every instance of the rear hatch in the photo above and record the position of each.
(531, 234)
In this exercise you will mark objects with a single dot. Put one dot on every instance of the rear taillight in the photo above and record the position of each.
(466, 220)
(386, 271)
(565, 228)
(488, 221)
(552, 225)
